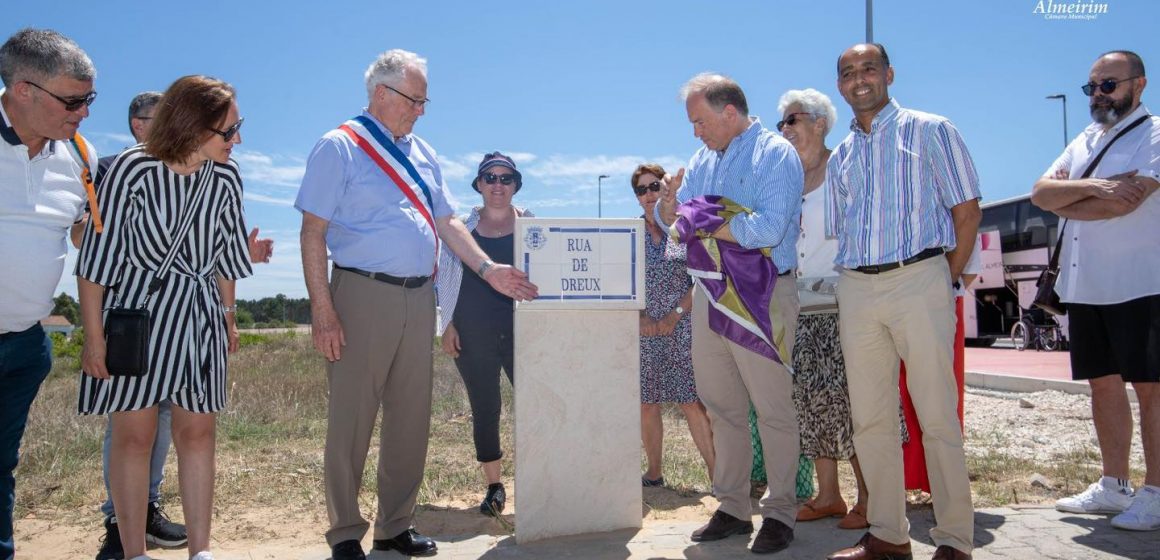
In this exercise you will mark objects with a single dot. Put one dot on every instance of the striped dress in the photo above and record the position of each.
(142, 201)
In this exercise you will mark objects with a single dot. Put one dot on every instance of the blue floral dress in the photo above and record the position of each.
(666, 362)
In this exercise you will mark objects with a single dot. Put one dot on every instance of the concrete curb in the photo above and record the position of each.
(1019, 384)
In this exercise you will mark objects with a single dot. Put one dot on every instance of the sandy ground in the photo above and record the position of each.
(1043, 425)
(267, 533)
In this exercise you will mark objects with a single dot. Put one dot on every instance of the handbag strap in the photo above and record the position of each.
(1054, 263)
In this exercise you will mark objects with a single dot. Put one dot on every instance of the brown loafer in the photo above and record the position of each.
(856, 519)
(811, 512)
(873, 548)
(948, 552)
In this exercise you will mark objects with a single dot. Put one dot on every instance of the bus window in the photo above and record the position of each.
(1003, 219)
(1040, 224)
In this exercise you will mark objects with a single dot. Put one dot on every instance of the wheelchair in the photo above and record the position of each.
(1038, 330)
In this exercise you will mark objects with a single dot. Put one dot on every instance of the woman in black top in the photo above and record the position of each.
(476, 321)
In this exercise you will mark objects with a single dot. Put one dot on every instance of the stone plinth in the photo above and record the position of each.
(577, 422)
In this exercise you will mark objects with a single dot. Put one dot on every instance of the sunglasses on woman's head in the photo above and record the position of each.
(641, 190)
(505, 179)
(229, 133)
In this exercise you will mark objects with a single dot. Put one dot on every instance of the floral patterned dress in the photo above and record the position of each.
(666, 362)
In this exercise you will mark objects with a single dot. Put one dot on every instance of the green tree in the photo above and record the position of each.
(65, 305)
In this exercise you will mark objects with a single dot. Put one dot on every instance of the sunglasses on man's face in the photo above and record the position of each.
(505, 179)
(229, 133)
(70, 104)
(789, 121)
(1106, 87)
(642, 189)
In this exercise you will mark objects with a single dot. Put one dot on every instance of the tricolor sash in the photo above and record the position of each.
(396, 166)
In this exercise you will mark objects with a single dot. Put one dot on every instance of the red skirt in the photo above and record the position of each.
(913, 455)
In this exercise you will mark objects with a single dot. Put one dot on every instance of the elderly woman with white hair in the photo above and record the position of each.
(820, 391)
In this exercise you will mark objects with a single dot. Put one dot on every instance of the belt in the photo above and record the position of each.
(880, 268)
(406, 282)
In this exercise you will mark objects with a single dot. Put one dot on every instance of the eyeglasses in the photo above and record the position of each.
(70, 104)
(144, 118)
(229, 133)
(1106, 87)
(654, 186)
(416, 103)
(790, 120)
(505, 179)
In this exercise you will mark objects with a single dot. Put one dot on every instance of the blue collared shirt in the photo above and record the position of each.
(373, 226)
(890, 192)
(760, 171)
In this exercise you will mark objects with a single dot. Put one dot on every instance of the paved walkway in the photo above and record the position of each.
(1026, 363)
(1000, 533)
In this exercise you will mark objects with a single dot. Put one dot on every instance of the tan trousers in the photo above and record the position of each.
(728, 377)
(385, 364)
(907, 313)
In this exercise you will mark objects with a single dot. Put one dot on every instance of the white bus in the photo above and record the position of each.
(1016, 237)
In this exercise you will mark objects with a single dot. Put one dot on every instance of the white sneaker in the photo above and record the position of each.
(203, 555)
(1143, 514)
(1104, 496)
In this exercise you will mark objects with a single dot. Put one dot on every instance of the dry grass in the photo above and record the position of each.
(270, 443)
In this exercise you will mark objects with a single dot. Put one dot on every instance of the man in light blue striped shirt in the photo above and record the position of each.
(903, 200)
(760, 170)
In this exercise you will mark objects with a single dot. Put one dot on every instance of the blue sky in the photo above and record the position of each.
(579, 89)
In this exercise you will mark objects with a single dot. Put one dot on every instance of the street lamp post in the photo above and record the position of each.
(1063, 98)
(599, 195)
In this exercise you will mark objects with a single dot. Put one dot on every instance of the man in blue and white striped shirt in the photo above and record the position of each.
(760, 170)
(903, 200)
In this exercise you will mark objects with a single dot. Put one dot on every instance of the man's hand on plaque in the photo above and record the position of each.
(511, 282)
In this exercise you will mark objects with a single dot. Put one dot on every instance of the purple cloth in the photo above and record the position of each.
(747, 276)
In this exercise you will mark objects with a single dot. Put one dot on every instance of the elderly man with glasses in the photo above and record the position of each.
(1110, 280)
(48, 86)
(374, 195)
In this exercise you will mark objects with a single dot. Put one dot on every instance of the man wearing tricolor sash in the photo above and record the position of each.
(374, 196)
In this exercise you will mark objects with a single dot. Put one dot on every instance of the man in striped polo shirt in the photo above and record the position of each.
(760, 170)
(903, 201)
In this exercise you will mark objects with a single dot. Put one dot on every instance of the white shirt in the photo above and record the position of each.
(40, 199)
(817, 273)
(1115, 260)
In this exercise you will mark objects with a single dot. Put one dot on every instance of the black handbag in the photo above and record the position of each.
(1045, 296)
(127, 341)
(127, 329)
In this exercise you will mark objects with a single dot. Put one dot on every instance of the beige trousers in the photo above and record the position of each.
(907, 313)
(728, 378)
(386, 364)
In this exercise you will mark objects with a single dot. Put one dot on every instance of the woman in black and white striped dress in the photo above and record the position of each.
(182, 172)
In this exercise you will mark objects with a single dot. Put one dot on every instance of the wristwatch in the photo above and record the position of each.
(680, 310)
(484, 267)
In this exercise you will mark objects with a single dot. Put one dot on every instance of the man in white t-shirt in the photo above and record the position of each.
(48, 86)
(1110, 280)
